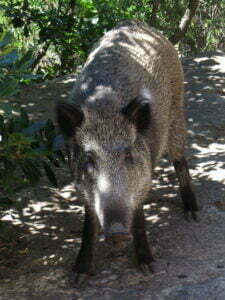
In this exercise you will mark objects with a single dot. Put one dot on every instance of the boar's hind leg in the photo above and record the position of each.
(187, 194)
(142, 249)
(176, 151)
(84, 261)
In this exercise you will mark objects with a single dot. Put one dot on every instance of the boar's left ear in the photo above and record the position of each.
(69, 117)
(138, 112)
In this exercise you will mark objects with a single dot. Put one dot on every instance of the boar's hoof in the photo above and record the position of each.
(146, 264)
(147, 268)
(188, 215)
(77, 279)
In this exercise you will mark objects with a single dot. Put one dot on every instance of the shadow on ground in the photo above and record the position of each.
(46, 233)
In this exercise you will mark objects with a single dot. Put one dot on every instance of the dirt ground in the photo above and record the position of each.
(39, 242)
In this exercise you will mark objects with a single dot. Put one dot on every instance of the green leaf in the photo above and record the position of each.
(30, 76)
(25, 61)
(53, 160)
(24, 118)
(1, 124)
(7, 110)
(9, 58)
(58, 143)
(5, 39)
(34, 128)
(49, 131)
(26, 31)
(5, 202)
(60, 155)
(9, 87)
(31, 171)
(50, 174)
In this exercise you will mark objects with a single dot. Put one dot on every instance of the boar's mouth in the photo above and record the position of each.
(116, 228)
(118, 239)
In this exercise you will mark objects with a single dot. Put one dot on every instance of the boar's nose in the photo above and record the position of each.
(117, 235)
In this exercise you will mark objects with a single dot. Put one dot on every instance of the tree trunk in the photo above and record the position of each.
(185, 21)
(40, 55)
(153, 20)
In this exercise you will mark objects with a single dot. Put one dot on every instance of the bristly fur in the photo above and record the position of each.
(125, 112)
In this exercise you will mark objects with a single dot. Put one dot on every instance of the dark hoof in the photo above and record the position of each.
(146, 264)
(191, 215)
(78, 279)
(147, 268)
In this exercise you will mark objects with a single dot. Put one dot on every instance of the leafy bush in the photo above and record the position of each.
(13, 67)
(26, 148)
(63, 32)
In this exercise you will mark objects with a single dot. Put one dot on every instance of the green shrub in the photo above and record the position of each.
(14, 68)
(27, 148)
(63, 32)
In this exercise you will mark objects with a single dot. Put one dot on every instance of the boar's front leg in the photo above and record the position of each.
(84, 261)
(141, 247)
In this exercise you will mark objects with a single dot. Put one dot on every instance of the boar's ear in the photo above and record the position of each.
(69, 117)
(138, 112)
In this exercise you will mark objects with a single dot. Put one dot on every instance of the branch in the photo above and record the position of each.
(40, 55)
(155, 7)
(71, 20)
(185, 21)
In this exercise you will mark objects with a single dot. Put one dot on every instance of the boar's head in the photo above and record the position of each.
(113, 161)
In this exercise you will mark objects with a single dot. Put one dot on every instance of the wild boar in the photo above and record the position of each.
(125, 112)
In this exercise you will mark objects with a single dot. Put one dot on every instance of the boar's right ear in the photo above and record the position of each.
(138, 112)
(69, 117)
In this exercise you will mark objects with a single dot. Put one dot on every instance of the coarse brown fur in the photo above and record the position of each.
(129, 58)
(126, 111)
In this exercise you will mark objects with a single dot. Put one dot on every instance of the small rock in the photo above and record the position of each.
(181, 276)
(105, 272)
(220, 266)
(113, 277)
(103, 281)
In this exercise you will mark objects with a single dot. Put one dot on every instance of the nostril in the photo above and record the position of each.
(117, 233)
(115, 228)
(119, 237)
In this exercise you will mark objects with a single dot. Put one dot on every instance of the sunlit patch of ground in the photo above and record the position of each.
(41, 239)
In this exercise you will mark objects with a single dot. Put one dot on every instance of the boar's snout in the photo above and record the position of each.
(117, 232)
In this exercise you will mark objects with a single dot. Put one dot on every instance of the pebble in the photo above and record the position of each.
(113, 277)
(106, 272)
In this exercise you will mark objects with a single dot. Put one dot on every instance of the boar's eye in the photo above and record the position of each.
(128, 157)
(89, 164)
